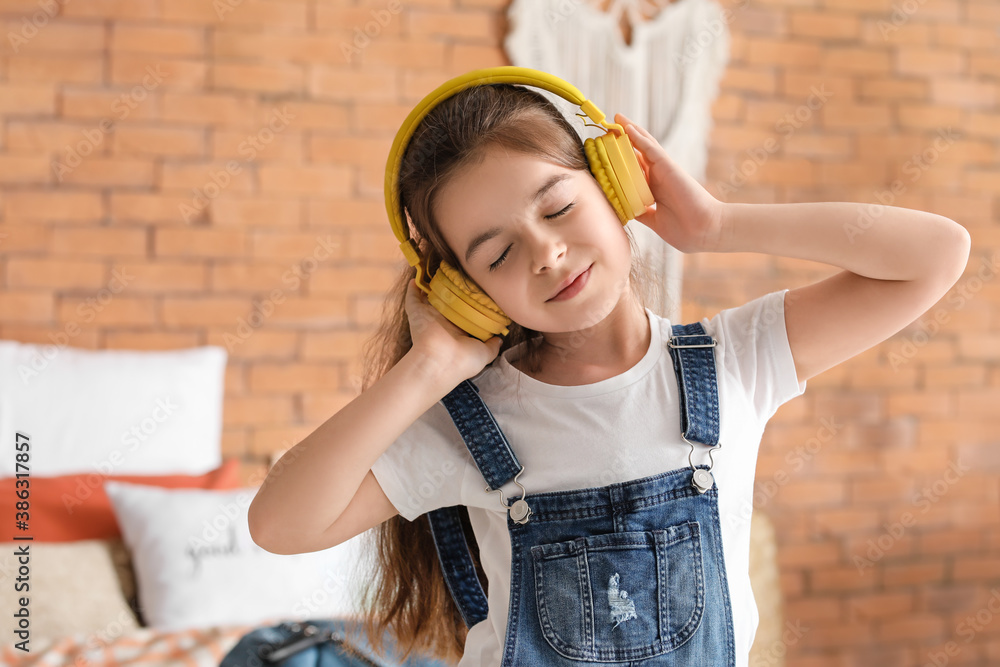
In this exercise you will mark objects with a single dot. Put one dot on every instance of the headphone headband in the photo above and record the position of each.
(489, 75)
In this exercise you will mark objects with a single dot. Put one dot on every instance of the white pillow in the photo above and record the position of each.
(196, 565)
(112, 411)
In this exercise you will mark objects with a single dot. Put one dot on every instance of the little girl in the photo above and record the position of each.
(623, 557)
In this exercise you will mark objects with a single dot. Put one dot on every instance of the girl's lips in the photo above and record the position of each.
(574, 287)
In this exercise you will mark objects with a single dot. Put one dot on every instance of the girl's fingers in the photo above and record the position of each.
(626, 121)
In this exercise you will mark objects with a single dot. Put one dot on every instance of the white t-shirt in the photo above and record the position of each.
(619, 429)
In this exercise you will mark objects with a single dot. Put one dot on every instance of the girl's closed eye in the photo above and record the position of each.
(500, 260)
(562, 212)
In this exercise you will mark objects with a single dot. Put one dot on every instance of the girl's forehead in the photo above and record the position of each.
(501, 180)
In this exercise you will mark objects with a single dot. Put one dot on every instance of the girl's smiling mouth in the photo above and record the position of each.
(574, 287)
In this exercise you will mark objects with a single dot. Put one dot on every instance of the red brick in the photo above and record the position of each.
(165, 276)
(330, 180)
(472, 26)
(374, 116)
(29, 68)
(834, 26)
(140, 10)
(17, 239)
(169, 242)
(128, 208)
(55, 272)
(312, 252)
(24, 170)
(207, 108)
(825, 552)
(122, 310)
(409, 54)
(469, 56)
(129, 244)
(253, 78)
(59, 206)
(357, 27)
(247, 13)
(347, 213)
(29, 98)
(160, 40)
(872, 490)
(249, 277)
(108, 172)
(94, 106)
(195, 311)
(267, 378)
(348, 280)
(342, 83)
(257, 212)
(140, 75)
(209, 178)
(150, 340)
(830, 522)
(158, 141)
(263, 344)
(284, 144)
(770, 52)
(312, 313)
(876, 606)
(924, 61)
(927, 571)
(26, 306)
(922, 627)
(253, 410)
(56, 37)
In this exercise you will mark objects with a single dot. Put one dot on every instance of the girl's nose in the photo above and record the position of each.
(547, 249)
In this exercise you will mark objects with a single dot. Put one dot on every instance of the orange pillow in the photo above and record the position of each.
(76, 507)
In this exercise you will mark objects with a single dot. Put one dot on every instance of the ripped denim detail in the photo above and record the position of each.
(622, 608)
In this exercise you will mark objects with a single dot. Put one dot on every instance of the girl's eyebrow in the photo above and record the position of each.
(493, 231)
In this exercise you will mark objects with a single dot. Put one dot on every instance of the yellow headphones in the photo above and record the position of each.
(611, 160)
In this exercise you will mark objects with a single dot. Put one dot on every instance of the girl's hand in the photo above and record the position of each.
(445, 350)
(685, 215)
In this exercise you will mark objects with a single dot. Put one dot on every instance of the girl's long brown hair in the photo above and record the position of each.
(407, 596)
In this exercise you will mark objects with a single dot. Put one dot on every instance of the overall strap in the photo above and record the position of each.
(497, 464)
(456, 564)
(693, 354)
(486, 442)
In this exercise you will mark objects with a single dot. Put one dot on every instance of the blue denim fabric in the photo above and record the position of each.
(627, 574)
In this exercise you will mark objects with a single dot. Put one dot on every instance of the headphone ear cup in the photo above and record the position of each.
(631, 178)
(465, 305)
(600, 167)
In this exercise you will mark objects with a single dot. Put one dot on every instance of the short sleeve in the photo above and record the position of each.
(755, 350)
(424, 468)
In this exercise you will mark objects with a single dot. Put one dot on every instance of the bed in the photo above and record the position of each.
(130, 545)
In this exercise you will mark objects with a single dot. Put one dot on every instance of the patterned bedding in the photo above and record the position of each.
(145, 647)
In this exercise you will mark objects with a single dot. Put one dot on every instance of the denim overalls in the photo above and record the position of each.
(626, 574)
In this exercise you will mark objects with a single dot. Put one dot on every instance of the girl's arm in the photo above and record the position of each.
(311, 485)
(897, 263)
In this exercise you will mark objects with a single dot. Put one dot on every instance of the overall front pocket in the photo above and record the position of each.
(620, 596)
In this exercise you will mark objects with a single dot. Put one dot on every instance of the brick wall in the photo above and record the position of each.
(186, 173)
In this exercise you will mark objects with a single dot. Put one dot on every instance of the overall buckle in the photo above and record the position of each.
(670, 341)
(518, 511)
